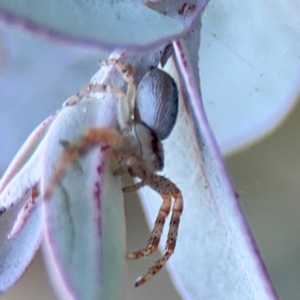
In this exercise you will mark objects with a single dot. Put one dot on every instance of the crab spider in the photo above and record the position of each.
(146, 116)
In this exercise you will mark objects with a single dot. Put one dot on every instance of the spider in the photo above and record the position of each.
(146, 116)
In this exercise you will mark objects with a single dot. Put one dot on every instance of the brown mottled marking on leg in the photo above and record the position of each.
(100, 88)
(127, 72)
(74, 151)
(156, 232)
(35, 192)
(94, 88)
(164, 186)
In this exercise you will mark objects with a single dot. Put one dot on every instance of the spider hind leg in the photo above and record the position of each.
(167, 190)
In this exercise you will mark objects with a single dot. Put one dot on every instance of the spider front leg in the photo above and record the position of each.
(91, 88)
(127, 105)
(126, 70)
(74, 151)
(167, 190)
(128, 73)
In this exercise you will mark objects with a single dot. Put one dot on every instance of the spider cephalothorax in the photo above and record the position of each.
(140, 153)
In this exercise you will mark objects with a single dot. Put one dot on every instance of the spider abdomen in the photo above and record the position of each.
(157, 102)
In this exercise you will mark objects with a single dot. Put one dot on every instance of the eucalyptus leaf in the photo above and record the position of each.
(104, 23)
(215, 256)
(249, 58)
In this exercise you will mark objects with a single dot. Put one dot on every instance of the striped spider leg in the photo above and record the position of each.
(167, 190)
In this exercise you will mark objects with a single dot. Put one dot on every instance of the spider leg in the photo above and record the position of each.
(127, 71)
(168, 190)
(91, 88)
(124, 111)
(74, 151)
(26, 211)
(134, 187)
(156, 232)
